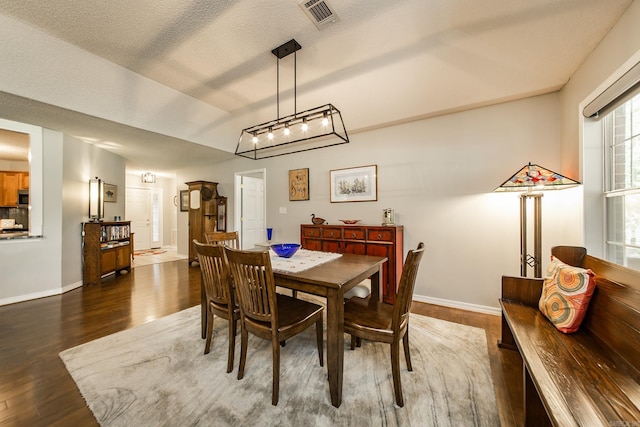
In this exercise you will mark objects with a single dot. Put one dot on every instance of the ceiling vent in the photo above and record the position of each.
(319, 12)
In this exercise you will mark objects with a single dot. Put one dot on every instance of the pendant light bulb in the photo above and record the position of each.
(270, 134)
(255, 138)
(286, 129)
(305, 126)
(325, 120)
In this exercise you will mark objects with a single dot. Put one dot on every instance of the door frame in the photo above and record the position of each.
(237, 187)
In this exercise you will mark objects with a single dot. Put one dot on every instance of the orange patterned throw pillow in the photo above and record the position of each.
(565, 295)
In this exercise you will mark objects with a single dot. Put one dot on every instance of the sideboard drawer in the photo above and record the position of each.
(331, 233)
(311, 232)
(373, 240)
(380, 235)
(354, 233)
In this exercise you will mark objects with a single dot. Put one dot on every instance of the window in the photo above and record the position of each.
(36, 146)
(622, 183)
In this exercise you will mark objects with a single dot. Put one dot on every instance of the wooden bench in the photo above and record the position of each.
(590, 377)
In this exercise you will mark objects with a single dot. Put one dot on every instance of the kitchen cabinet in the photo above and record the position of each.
(386, 241)
(10, 183)
(24, 181)
(106, 249)
(207, 212)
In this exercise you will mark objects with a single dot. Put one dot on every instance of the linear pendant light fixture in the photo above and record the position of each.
(311, 129)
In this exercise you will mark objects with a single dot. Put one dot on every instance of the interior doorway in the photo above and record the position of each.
(250, 207)
(144, 209)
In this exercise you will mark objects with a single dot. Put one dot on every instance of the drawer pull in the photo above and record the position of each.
(353, 234)
(331, 234)
(379, 236)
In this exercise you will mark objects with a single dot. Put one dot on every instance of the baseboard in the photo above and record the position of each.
(37, 295)
(457, 304)
(72, 286)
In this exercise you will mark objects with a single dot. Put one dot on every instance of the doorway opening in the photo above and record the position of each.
(250, 207)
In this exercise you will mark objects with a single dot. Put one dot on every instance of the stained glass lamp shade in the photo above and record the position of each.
(532, 177)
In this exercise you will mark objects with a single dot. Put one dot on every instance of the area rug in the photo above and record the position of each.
(157, 375)
(147, 252)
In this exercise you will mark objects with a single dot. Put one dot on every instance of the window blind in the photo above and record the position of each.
(615, 95)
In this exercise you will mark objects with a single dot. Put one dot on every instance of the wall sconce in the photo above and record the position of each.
(148, 178)
(96, 199)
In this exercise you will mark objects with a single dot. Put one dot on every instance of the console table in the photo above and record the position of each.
(383, 241)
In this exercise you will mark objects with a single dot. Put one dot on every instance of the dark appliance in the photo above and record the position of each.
(23, 198)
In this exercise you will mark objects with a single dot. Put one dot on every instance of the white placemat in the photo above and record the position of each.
(301, 260)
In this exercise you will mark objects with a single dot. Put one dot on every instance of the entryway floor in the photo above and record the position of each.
(156, 256)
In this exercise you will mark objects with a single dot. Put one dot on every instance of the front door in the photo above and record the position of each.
(138, 209)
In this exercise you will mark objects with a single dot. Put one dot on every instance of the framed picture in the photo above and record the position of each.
(299, 184)
(354, 184)
(184, 200)
(110, 193)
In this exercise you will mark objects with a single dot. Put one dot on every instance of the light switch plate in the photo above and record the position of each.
(283, 210)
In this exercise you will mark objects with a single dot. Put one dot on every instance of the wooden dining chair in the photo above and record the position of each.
(225, 238)
(365, 319)
(220, 298)
(267, 314)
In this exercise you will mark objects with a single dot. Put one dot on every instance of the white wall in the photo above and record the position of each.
(580, 139)
(32, 268)
(82, 162)
(53, 264)
(439, 175)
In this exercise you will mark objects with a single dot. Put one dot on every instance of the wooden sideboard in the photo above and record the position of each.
(384, 241)
(106, 248)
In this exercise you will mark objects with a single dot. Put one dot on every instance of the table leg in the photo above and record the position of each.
(203, 311)
(376, 289)
(335, 344)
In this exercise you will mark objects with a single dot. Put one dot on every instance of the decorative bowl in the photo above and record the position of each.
(350, 221)
(285, 250)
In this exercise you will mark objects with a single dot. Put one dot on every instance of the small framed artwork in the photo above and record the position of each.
(299, 184)
(358, 184)
(110, 193)
(184, 200)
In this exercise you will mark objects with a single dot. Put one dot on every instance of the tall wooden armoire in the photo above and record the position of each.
(204, 207)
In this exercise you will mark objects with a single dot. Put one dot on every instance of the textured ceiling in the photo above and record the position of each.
(383, 62)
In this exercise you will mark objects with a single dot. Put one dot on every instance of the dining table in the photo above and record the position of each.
(331, 280)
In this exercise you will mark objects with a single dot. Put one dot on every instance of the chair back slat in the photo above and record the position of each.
(255, 285)
(407, 283)
(224, 238)
(214, 272)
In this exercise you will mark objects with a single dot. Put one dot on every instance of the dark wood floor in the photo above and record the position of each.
(36, 390)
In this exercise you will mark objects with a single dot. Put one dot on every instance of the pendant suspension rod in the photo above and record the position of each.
(295, 84)
(278, 89)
